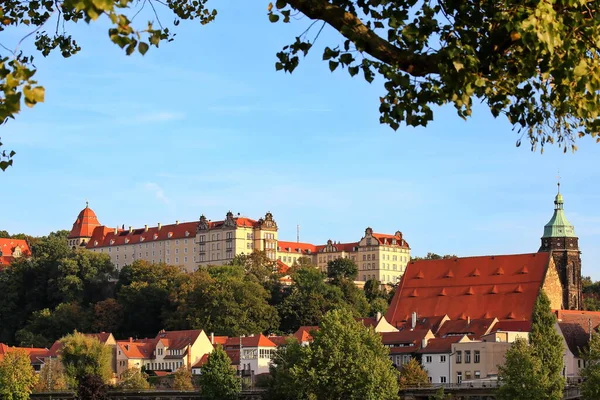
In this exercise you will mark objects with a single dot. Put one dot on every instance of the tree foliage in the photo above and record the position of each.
(218, 381)
(590, 387)
(342, 268)
(534, 371)
(52, 377)
(17, 377)
(133, 379)
(534, 62)
(182, 379)
(345, 361)
(84, 356)
(412, 374)
(92, 387)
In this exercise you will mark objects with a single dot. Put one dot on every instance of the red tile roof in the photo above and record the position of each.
(304, 333)
(431, 323)
(279, 340)
(403, 337)
(249, 341)
(474, 327)
(33, 352)
(575, 327)
(282, 267)
(296, 247)
(239, 221)
(104, 237)
(136, 349)
(178, 339)
(391, 239)
(220, 340)
(7, 248)
(440, 345)
(484, 287)
(203, 360)
(85, 224)
(512, 326)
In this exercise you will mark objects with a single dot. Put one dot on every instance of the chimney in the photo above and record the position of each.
(423, 343)
(145, 228)
(177, 222)
(378, 317)
(212, 337)
(159, 226)
(130, 339)
(116, 231)
(413, 321)
(468, 320)
(130, 229)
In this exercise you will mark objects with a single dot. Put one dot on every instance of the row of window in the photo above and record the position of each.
(429, 359)
(476, 356)
(468, 376)
(164, 366)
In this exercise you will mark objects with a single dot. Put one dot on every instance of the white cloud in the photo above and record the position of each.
(158, 192)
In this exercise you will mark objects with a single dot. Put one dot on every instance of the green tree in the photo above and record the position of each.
(256, 264)
(287, 382)
(84, 356)
(17, 377)
(433, 256)
(590, 387)
(133, 379)
(182, 379)
(92, 387)
(342, 268)
(345, 361)
(536, 63)
(547, 346)
(223, 301)
(412, 374)
(143, 291)
(377, 297)
(521, 376)
(52, 377)
(218, 380)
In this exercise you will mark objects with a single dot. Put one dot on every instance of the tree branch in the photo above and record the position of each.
(351, 27)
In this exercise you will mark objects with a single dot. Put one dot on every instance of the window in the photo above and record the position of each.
(218, 236)
(468, 375)
(176, 251)
(467, 356)
(177, 260)
(185, 250)
(476, 356)
(184, 259)
(477, 374)
(443, 359)
(201, 257)
(364, 257)
(442, 379)
(249, 245)
(578, 361)
(201, 238)
(459, 377)
(184, 241)
(428, 359)
(458, 357)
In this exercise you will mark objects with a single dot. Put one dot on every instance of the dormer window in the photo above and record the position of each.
(170, 234)
(187, 234)
(112, 241)
(95, 243)
(142, 239)
(155, 236)
(126, 240)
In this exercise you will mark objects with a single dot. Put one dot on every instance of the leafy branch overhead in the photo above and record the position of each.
(536, 62)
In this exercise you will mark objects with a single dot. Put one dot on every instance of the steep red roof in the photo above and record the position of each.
(512, 326)
(304, 333)
(239, 221)
(104, 237)
(136, 349)
(282, 267)
(484, 287)
(203, 360)
(85, 224)
(575, 327)
(296, 247)
(33, 352)
(8, 247)
(178, 339)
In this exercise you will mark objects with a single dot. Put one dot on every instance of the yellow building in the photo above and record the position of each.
(205, 242)
(378, 256)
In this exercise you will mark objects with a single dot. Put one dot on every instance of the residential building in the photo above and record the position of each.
(405, 344)
(133, 354)
(36, 355)
(576, 328)
(11, 249)
(435, 357)
(255, 356)
(171, 350)
(378, 256)
(477, 359)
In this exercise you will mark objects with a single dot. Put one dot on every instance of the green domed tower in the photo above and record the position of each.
(559, 239)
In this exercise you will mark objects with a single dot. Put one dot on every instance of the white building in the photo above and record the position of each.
(436, 357)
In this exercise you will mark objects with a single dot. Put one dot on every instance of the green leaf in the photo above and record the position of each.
(143, 48)
(458, 65)
(333, 65)
(273, 17)
(581, 69)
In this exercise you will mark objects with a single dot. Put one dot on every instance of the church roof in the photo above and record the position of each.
(503, 287)
(558, 226)
(84, 224)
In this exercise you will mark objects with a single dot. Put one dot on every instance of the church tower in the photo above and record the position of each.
(559, 239)
(83, 227)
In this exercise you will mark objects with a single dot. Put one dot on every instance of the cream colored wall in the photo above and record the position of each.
(291, 257)
(200, 347)
(172, 251)
(386, 263)
(491, 355)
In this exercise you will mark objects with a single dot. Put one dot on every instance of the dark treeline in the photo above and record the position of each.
(59, 290)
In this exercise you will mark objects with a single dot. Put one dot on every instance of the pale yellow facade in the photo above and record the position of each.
(477, 360)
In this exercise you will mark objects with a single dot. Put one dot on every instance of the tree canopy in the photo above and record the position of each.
(83, 356)
(345, 361)
(534, 62)
(17, 378)
(412, 374)
(590, 387)
(218, 379)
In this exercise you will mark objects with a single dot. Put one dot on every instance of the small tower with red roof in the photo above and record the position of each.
(83, 227)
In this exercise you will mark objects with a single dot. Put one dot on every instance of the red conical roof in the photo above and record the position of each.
(85, 223)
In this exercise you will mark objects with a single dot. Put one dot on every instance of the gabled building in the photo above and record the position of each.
(435, 357)
(405, 345)
(36, 355)
(172, 350)
(11, 249)
(253, 353)
(378, 323)
(576, 328)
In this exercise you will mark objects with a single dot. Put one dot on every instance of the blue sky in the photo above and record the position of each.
(205, 124)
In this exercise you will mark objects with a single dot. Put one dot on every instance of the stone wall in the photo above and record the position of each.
(553, 287)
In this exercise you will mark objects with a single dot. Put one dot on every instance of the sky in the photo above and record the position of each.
(205, 124)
